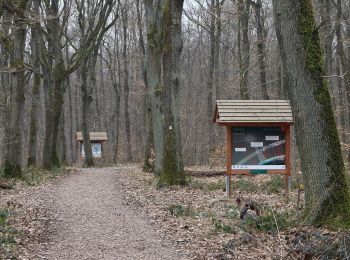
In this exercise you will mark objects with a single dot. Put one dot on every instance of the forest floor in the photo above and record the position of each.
(120, 213)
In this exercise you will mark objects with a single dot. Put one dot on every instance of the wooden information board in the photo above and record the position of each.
(257, 143)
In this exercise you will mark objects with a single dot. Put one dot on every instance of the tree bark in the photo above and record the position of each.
(344, 60)
(210, 80)
(6, 45)
(93, 84)
(327, 33)
(87, 99)
(148, 163)
(243, 46)
(126, 86)
(13, 153)
(36, 49)
(164, 46)
(261, 47)
(326, 189)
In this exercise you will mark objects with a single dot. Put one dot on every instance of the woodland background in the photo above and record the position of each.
(230, 51)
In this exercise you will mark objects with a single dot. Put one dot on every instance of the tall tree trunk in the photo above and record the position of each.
(148, 163)
(326, 189)
(72, 128)
(87, 99)
(243, 46)
(54, 72)
(6, 48)
(13, 156)
(327, 33)
(33, 130)
(261, 47)
(126, 86)
(280, 88)
(48, 140)
(164, 48)
(342, 103)
(93, 84)
(217, 40)
(63, 144)
(57, 113)
(114, 65)
(210, 79)
(344, 61)
(36, 49)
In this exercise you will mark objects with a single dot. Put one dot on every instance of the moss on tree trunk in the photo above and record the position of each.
(327, 200)
(337, 205)
(163, 54)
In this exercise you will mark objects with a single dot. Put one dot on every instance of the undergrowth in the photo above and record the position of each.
(35, 176)
(274, 185)
(7, 235)
(179, 210)
(243, 184)
(269, 221)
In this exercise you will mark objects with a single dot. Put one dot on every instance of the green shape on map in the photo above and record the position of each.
(258, 171)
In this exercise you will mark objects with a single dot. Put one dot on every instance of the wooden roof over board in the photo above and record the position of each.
(253, 111)
(94, 136)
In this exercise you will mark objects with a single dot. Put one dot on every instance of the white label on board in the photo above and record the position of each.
(256, 144)
(258, 167)
(272, 138)
(240, 149)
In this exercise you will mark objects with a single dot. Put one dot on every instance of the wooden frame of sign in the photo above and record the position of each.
(257, 114)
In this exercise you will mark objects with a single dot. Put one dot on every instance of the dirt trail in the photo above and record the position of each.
(93, 222)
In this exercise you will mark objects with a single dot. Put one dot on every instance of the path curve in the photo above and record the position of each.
(93, 222)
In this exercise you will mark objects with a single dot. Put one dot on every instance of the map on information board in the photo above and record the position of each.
(258, 148)
(95, 148)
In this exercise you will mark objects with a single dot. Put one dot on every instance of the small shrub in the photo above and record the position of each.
(275, 185)
(4, 213)
(178, 210)
(232, 212)
(269, 222)
(218, 185)
(197, 185)
(245, 185)
(35, 176)
(7, 235)
(222, 227)
(201, 214)
(228, 229)
(273, 220)
(194, 183)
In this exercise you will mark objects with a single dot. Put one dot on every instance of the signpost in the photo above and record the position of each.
(257, 137)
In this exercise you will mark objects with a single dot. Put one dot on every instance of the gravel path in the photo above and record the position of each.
(93, 222)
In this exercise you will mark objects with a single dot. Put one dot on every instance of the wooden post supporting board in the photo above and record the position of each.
(228, 160)
(288, 161)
